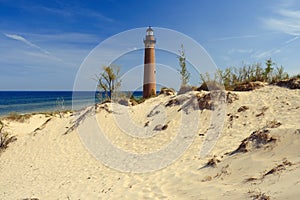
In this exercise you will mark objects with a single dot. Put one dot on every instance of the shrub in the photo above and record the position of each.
(167, 91)
(210, 85)
(17, 117)
(236, 77)
(4, 138)
(136, 101)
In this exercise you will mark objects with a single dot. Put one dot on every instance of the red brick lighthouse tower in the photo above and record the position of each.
(149, 86)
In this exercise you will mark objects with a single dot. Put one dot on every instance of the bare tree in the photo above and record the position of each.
(109, 81)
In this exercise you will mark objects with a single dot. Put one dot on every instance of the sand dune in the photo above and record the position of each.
(256, 154)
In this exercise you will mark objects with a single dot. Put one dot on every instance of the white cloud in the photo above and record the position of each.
(287, 21)
(70, 11)
(242, 51)
(22, 39)
(290, 13)
(67, 37)
(67, 49)
(234, 37)
(292, 40)
(265, 54)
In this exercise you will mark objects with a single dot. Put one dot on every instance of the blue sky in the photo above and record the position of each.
(43, 43)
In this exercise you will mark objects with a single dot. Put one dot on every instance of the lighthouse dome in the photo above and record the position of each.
(149, 31)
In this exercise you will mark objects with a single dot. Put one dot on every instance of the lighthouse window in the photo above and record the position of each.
(150, 33)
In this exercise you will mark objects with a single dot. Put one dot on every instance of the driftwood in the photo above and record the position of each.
(277, 169)
(1, 124)
(80, 119)
(257, 139)
(203, 100)
(86, 112)
(211, 162)
(41, 127)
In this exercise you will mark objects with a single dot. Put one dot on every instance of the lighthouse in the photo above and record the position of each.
(149, 86)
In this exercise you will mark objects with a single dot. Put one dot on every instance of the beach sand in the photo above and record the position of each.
(45, 163)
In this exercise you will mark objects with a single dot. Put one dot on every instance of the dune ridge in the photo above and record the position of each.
(256, 156)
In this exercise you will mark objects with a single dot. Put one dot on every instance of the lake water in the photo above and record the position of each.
(40, 101)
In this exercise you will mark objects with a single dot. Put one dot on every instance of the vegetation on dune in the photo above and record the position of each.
(108, 82)
(5, 139)
(296, 76)
(17, 117)
(244, 78)
(13, 116)
(136, 100)
(184, 74)
(167, 91)
(233, 77)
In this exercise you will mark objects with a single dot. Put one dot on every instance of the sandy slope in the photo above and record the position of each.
(47, 164)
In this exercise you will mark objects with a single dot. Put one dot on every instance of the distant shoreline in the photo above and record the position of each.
(25, 102)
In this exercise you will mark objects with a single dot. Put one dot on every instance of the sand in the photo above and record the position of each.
(48, 164)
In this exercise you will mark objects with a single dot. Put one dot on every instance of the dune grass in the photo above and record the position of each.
(233, 77)
(13, 116)
(5, 139)
(18, 117)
